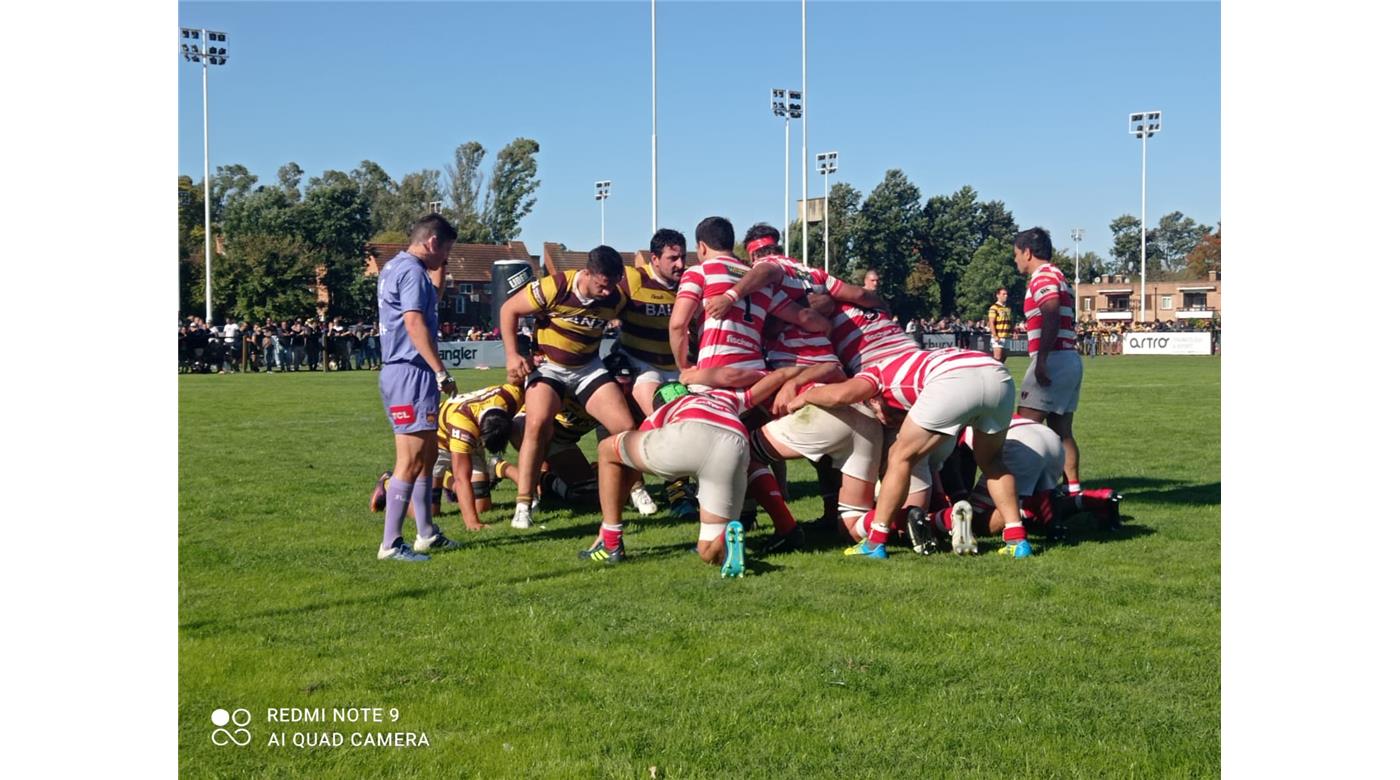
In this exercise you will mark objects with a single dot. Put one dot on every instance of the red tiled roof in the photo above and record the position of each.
(466, 262)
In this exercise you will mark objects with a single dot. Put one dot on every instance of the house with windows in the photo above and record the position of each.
(466, 294)
(1117, 299)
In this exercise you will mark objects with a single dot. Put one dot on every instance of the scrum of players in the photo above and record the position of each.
(724, 371)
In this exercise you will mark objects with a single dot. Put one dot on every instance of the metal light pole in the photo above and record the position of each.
(787, 103)
(198, 46)
(826, 165)
(1076, 235)
(653, 117)
(1144, 125)
(804, 134)
(600, 194)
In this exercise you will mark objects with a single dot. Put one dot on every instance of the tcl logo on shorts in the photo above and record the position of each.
(402, 415)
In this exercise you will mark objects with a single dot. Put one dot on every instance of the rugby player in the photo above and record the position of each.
(469, 424)
(1050, 388)
(941, 391)
(411, 380)
(999, 323)
(645, 340)
(579, 305)
(697, 435)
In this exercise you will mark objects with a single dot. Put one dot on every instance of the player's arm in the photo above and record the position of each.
(851, 391)
(521, 304)
(858, 296)
(417, 329)
(1049, 313)
(721, 376)
(682, 312)
(756, 278)
(771, 383)
(804, 317)
(815, 373)
(462, 484)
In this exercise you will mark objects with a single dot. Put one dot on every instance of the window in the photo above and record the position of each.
(1117, 303)
(1193, 300)
(461, 305)
(1086, 304)
(1167, 302)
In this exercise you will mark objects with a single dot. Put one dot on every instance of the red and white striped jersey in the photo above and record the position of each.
(1046, 282)
(901, 379)
(792, 345)
(718, 407)
(735, 340)
(867, 337)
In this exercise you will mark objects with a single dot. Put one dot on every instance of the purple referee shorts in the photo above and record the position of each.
(410, 397)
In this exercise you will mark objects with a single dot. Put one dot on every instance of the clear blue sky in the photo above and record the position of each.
(1025, 102)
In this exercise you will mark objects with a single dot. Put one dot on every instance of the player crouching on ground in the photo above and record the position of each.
(469, 424)
(942, 391)
(688, 435)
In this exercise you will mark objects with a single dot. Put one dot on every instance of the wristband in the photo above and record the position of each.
(731, 295)
(442, 378)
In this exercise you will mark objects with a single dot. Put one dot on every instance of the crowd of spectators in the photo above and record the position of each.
(288, 345)
(1095, 338)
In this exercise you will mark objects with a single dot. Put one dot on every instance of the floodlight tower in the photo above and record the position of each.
(787, 103)
(826, 165)
(205, 47)
(1144, 125)
(1076, 235)
(600, 194)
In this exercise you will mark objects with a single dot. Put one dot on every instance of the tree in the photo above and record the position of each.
(411, 198)
(993, 266)
(289, 179)
(1205, 256)
(1127, 246)
(886, 239)
(464, 177)
(1175, 237)
(333, 224)
(266, 276)
(229, 182)
(1091, 265)
(513, 183)
(378, 190)
(957, 226)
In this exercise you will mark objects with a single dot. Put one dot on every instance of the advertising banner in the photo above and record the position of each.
(1166, 343)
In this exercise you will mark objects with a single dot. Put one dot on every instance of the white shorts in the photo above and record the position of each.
(998, 343)
(983, 397)
(1035, 456)
(644, 373)
(850, 435)
(716, 457)
(444, 462)
(1066, 371)
(581, 381)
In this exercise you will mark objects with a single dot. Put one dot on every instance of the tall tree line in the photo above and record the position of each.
(947, 255)
(278, 239)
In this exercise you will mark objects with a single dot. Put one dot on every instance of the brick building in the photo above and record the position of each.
(466, 294)
(1115, 299)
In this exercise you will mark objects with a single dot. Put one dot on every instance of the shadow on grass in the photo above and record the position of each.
(378, 598)
(1083, 528)
(1162, 491)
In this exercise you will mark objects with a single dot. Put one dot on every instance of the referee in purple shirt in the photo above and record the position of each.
(409, 383)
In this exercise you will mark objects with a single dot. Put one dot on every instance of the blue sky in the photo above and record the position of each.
(1025, 102)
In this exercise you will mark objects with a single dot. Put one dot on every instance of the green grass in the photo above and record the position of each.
(1096, 658)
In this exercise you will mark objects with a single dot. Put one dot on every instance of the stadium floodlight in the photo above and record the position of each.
(600, 194)
(1076, 235)
(1144, 125)
(197, 49)
(787, 103)
(826, 165)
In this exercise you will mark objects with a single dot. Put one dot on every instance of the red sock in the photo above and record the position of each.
(764, 488)
(612, 536)
(943, 518)
(1013, 533)
(878, 534)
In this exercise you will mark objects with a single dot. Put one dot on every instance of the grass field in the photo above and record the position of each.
(1098, 657)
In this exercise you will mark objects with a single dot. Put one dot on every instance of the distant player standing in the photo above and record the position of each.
(1050, 389)
(410, 382)
(999, 323)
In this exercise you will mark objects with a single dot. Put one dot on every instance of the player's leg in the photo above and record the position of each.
(613, 474)
(913, 444)
(542, 402)
(721, 479)
(1001, 486)
(1063, 425)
